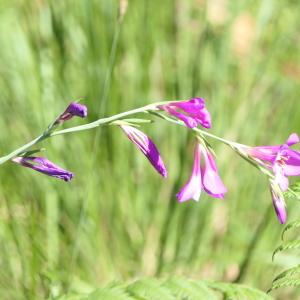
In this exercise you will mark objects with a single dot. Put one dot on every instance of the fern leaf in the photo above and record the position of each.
(288, 273)
(189, 290)
(232, 291)
(176, 288)
(285, 282)
(149, 289)
(291, 225)
(114, 293)
(285, 246)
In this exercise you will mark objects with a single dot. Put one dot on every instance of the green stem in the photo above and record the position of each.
(103, 121)
(22, 149)
(91, 125)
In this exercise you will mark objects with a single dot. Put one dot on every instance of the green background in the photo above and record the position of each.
(118, 220)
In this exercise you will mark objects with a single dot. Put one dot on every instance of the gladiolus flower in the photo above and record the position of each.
(281, 159)
(191, 112)
(147, 147)
(43, 165)
(74, 109)
(204, 176)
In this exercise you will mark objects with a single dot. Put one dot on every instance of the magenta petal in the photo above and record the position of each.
(211, 180)
(192, 106)
(192, 112)
(292, 163)
(293, 139)
(192, 188)
(189, 121)
(264, 153)
(147, 147)
(204, 118)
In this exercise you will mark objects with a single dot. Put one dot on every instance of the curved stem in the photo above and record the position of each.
(91, 125)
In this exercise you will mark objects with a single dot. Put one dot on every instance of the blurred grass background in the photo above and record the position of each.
(117, 219)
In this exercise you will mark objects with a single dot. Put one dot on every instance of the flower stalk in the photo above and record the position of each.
(276, 162)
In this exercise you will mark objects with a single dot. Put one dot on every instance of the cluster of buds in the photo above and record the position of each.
(278, 162)
(42, 164)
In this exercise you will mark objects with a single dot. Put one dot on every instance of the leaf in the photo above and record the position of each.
(175, 288)
(149, 289)
(189, 290)
(233, 291)
(289, 226)
(288, 273)
(285, 246)
(285, 282)
(114, 293)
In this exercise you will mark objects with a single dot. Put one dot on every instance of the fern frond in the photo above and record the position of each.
(188, 289)
(233, 291)
(289, 226)
(288, 273)
(285, 282)
(114, 293)
(176, 288)
(151, 289)
(285, 246)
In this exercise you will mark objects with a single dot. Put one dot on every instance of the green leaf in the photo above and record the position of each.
(288, 273)
(285, 282)
(285, 246)
(233, 291)
(175, 288)
(189, 290)
(113, 293)
(289, 226)
(149, 289)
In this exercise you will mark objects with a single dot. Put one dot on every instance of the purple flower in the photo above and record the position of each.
(43, 165)
(192, 188)
(211, 180)
(281, 159)
(204, 176)
(278, 202)
(74, 109)
(191, 112)
(148, 148)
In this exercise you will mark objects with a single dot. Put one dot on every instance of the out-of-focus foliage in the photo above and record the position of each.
(117, 219)
(171, 289)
